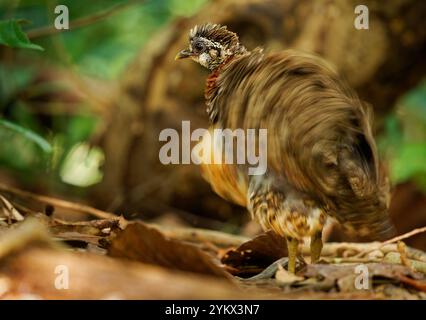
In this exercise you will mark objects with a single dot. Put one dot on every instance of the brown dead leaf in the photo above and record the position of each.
(255, 254)
(148, 245)
(76, 234)
(81, 234)
(31, 273)
(93, 228)
(29, 260)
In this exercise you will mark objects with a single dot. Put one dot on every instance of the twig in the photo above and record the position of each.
(59, 203)
(82, 22)
(351, 260)
(403, 253)
(186, 234)
(202, 235)
(393, 240)
(405, 235)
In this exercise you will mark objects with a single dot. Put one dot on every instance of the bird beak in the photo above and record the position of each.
(183, 54)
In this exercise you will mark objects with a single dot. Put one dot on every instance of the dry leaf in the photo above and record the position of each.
(81, 234)
(256, 254)
(145, 244)
(29, 260)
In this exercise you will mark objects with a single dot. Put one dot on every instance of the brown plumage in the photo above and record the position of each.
(322, 158)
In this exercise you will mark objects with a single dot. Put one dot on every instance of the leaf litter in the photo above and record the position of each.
(132, 259)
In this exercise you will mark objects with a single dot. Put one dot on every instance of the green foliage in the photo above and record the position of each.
(410, 164)
(12, 80)
(27, 134)
(404, 141)
(12, 35)
(23, 150)
(104, 48)
(35, 111)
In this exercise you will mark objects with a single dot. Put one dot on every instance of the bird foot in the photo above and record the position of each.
(316, 247)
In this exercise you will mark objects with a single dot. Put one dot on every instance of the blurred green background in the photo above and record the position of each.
(30, 148)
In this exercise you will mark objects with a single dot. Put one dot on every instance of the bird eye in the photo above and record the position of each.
(199, 47)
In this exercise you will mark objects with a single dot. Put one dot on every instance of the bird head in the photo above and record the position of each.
(211, 45)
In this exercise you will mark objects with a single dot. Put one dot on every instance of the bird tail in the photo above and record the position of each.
(375, 227)
(368, 197)
(366, 203)
(369, 221)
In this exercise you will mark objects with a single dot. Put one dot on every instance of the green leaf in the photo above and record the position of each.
(82, 165)
(28, 134)
(409, 163)
(11, 35)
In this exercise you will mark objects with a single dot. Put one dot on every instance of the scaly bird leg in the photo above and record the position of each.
(316, 246)
(293, 246)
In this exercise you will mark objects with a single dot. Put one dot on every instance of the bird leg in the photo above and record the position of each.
(316, 246)
(292, 246)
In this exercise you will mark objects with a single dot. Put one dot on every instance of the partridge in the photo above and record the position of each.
(321, 156)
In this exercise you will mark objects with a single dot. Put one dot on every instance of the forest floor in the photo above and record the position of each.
(55, 249)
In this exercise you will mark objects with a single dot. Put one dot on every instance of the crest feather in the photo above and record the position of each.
(216, 33)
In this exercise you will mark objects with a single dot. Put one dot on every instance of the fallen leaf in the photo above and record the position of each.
(29, 260)
(148, 245)
(81, 234)
(255, 254)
